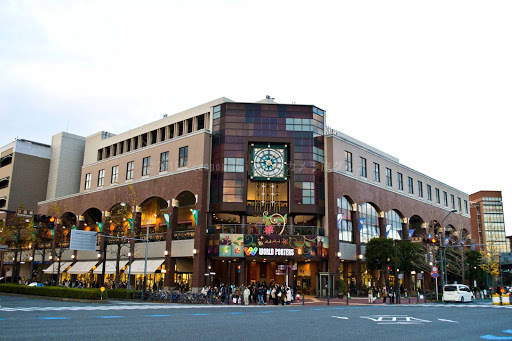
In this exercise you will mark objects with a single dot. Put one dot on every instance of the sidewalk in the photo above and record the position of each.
(313, 301)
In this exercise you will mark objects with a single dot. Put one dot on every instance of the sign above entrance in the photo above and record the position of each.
(83, 240)
(254, 245)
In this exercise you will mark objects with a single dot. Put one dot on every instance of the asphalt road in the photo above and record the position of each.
(26, 318)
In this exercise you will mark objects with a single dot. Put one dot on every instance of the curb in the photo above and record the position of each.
(52, 298)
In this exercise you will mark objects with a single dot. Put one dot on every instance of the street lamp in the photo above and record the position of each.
(444, 277)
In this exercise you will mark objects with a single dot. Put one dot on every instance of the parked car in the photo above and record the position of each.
(457, 293)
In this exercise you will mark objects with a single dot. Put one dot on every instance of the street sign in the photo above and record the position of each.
(3, 247)
(416, 239)
(283, 267)
(434, 269)
(24, 213)
(400, 276)
(280, 273)
(435, 275)
(83, 240)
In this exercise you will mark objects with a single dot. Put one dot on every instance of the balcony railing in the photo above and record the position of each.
(260, 229)
(183, 235)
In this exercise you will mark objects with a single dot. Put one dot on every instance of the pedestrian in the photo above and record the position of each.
(391, 296)
(289, 296)
(247, 294)
(384, 294)
(260, 295)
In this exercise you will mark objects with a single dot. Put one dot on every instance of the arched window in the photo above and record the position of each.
(368, 222)
(394, 225)
(345, 221)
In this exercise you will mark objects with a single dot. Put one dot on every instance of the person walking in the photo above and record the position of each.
(289, 296)
(384, 294)
(247, 293)
(391, 296)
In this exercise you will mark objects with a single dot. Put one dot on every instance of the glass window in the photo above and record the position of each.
(429, 193)
(411, 185)
(216, 112)
(146, 165)
(460, 205)
(452, 200)
(101, 177)
(130, 166)
(234, 164)
(466, 206)
(115, 174)
(420, 189)
(445, 199)
(394, 227)
(376, 172)
(368, 222)
(345, 221)
(308, 193)
(88, 181)
(348, 161)
(164, 161)
(183, 157)
(400, 182)
(200, 122)
(389, 177)
(363, 167)
(438, 198)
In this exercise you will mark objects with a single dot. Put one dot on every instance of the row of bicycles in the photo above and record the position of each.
(164, 296)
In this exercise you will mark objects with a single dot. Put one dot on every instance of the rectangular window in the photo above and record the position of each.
(171, 131)
(136, 142)
(420, 189)
(460, 205)
(466, 206)
(153, 136)
(299, 124)
(445, 198)
(180, 128)
(143, 140)
(376, 172)
(438, 198)
(200, 122)
(429, 193)
(411, 185)
(318, 154)
(88, 181)
(452, 200)
(308, 193)
(348, 161)
(216, 112)
(164, 161)
(389, 177)
(363, 167)
(130, 166)
(128, 145)
(189, 125)
(115, 174)
(400, 182)
(101, 177)
(162, 134)
(183, 157)
(234, 164)
(100, 154)
(146, 165)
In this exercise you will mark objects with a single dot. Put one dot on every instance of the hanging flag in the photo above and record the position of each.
(446, 241)
(53, 233)
(388, 229)
(73, 227)
(100, 226)
(130, 222)
(167, 217)
(339, 219)
(361, 223)
(194, 215)
(411, 232)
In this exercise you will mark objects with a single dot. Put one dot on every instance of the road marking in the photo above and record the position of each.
(110, 317)
(267, 311)
(395, 319)
(53, 318)
(444, 320)
(199, 314)
(235, 313)
(508, 331)
(492, 337)
(316, 309)
(340, 317)
(157, 315)
(293, 310)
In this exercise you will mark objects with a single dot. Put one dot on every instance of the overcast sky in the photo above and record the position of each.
(429, 82)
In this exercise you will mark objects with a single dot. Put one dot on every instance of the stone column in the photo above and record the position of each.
(382, 227)
(170, 263)
(357, 240)
(405, 231)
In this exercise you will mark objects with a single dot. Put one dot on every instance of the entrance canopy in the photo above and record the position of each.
(54, 268)
(110, 267)
(81, 268)
(138, 266)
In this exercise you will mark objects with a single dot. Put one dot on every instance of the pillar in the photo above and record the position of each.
(405, 231)
(357, 240)
(382, 227)
(101, 279)
(199, 266)
(170, 263)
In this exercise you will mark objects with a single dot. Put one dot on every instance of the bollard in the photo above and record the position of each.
(409, 299)
(348, 297)
(417, 297)
(302, 298)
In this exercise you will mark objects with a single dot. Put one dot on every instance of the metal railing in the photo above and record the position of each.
(260, 229)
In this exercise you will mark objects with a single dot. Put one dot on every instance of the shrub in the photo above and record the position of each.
(85, 294)
(120, 293)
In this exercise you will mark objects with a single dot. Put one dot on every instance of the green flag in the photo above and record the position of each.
(130, 221)
(73, 227)
(167, 217)
(194, 214)
(53, 233)
(100, 226)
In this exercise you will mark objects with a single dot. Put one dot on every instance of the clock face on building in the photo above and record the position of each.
(268, 163)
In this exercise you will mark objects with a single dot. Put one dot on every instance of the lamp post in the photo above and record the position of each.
(444, 277)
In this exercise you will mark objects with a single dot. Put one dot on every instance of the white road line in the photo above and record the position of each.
(444, 320)
(340, 317)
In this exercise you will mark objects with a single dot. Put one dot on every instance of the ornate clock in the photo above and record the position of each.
(268, 162)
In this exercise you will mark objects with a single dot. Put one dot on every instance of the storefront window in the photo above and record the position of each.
(394, 225)
(368, 222)
(345, 221)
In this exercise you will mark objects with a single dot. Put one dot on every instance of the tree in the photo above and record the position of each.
(17, 234)
(474, 271)
(61, 233)
(379, 254)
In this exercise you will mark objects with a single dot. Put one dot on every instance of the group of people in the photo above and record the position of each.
(255, 293)
(385, 293)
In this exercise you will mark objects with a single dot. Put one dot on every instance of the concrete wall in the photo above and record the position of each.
(66, 165)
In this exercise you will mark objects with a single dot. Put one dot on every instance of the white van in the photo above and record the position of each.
(457, 293)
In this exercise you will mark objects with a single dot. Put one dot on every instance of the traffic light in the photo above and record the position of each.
(432, 241)
(238, 268)
(51, 222)
(45, 219)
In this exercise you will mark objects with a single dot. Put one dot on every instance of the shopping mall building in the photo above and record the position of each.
(236, 193)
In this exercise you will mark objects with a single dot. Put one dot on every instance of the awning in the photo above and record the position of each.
(82, 267)
(54, 268)
(138, 266)
(110, 267)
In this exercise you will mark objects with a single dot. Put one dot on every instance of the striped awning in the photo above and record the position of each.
(110, 267)
(54, 268)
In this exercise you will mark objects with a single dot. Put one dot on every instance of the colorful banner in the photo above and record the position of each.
(53, 233)
(194, 216)
(361, 223)
(231, 245)
(167, 217)
(388, 229)
(100, 226)
(73, 227)
(411, 232)
(339, 219)
(130, 222)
